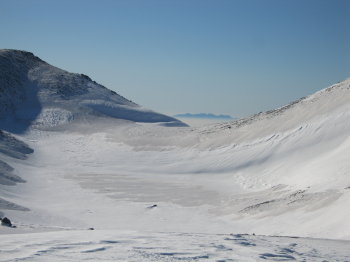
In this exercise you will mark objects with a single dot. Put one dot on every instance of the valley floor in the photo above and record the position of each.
(154, 194)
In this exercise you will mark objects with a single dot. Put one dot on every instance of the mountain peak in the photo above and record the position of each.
(33, 92)
(19, 55)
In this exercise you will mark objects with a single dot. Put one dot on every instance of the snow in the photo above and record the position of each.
(34, 91)
(136, 246)
(270, 176)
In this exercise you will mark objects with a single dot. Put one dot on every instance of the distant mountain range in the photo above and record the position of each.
(204, 116)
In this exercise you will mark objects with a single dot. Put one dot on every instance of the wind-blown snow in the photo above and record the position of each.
(154, 193)
(136, 247)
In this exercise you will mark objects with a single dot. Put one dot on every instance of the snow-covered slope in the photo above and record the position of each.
(329, 102)
(35, 93)
(10, 149)
(142, 186)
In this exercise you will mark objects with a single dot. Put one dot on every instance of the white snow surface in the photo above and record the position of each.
(135, 246)
(235, 191)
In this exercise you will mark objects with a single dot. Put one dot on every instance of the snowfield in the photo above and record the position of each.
(271, 187)
(135, 246)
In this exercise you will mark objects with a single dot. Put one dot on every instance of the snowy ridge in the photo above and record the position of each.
(34, 92)
(333, 100)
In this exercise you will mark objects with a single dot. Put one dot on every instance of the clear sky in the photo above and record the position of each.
(225, 57)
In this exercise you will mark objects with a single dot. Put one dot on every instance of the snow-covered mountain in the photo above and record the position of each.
(32, 92)
(154, 193)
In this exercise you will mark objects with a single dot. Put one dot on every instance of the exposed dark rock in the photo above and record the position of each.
(6, 222)
(12, 147)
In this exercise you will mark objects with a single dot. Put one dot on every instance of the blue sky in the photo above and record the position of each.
(223, 57)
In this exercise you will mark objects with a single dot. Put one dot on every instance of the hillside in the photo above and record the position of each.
(139, 191)
(34, 93)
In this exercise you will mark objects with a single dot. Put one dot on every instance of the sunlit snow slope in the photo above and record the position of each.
(282, 172)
